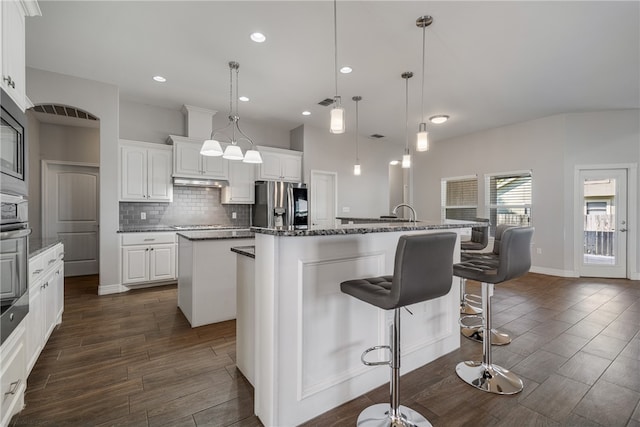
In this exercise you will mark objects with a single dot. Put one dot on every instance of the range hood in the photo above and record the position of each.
(197, 182)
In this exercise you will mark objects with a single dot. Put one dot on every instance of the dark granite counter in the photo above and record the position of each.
(367, 228)
(357, 220)
(37, 246)
(159, 227)
(248, 251)
(241, 233)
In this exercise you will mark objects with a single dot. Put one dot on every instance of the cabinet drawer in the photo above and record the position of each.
(13, 373)
(147, 238)
(36, 268)
(59, 252)
(49, 257)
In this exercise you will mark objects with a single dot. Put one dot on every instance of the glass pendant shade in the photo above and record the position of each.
(211, 147)
(252, 156)
(356, 169)
(337, 120)
(422, 142)
(233, 152)
(406, 161)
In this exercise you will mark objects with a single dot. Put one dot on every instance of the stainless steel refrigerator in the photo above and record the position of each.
(281, 205)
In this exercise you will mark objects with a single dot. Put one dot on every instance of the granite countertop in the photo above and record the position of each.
(249, 251)
(241, 233)
(37, 246)
(164, 227)
(367, 228)
(374, 220)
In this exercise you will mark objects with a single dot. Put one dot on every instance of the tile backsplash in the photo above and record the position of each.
(190, 206)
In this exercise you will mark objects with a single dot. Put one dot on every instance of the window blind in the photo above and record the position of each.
(460, 198)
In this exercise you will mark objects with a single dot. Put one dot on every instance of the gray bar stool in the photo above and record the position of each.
(478, 241)
(474, 332)
(514, 261)
(423, 270)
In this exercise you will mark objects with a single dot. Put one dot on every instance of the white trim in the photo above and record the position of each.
(459, 178)
(335, 188)
(632, 213)
(111, 289)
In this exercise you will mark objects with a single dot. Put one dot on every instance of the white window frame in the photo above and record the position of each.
(443, 194)
(487, 196)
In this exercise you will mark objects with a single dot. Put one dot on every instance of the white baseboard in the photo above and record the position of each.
(111, 289)
(554, 272)
(635, 276)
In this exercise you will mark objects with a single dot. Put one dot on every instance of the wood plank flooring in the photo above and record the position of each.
(133, 360)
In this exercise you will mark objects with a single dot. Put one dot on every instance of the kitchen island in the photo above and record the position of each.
(309, 336)
(207, 274)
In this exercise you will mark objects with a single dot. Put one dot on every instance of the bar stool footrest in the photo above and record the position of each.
(490, 378)
(378, 416)
(467, 321)
(374, 348)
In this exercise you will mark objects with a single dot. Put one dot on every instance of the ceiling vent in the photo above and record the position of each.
(376, 136)
(326, 102)
(61, 110)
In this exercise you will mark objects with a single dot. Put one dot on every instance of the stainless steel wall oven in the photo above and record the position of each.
(14, 259)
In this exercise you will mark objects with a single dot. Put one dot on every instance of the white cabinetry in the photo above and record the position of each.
(13, 14)
(46, 300)
(189, 163)
(148, 257)
(145, 172)
(279, 164)
(13, 376)
(241, 189)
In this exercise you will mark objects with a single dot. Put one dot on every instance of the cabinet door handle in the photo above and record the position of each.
(38, 271)
(10, 81)
(13, 388)
(51, 261)
(151, 248)
(149, 240)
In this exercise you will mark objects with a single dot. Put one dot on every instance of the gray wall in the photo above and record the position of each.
(101, 100)
(366, 195)
(551, 147)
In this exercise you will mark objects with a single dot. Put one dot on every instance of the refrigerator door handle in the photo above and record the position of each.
(290, 206)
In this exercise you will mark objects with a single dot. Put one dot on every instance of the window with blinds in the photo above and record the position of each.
(459, 199)
(509, 199)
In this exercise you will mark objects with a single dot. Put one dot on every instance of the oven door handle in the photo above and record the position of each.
(15, 234)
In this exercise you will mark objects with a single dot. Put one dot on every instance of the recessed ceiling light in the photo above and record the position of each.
(306, 113)
(346, 70)
(258, 37)
(438, 120)
(243, 98)
(394, 162)
(159, 79)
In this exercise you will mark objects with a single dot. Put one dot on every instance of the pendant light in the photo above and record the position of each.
(406, 158)
(337, 112)
(356, 166)
(211, 147)
(422, 140)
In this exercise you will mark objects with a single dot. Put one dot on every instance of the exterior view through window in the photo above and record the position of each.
(508, 199)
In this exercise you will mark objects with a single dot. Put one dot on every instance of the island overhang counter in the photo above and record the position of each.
(309, 336)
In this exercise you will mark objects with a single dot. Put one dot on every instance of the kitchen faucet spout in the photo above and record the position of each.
(413, 217)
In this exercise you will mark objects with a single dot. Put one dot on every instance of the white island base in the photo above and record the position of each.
(309, 335)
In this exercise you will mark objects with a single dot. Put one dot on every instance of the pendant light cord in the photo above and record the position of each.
(406, 114)
(423, 55)
(335, 42)
(357, 118)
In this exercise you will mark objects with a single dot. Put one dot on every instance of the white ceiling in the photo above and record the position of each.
(488, 63)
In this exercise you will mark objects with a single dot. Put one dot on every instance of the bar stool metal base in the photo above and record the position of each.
(476, 334)
(489, 378)
(379, 416)
(469, 309)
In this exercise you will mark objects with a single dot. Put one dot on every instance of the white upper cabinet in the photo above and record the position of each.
(241, 189)
(279, 164)
(145, 172)
(189, 163)
(13, 14)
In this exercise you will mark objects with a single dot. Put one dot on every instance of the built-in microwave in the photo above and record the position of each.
(13, 147)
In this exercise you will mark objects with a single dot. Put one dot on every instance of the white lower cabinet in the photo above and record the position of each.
(46, 302)
(148, 257)
(13, 376)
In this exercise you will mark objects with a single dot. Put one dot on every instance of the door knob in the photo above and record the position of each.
(622, 230)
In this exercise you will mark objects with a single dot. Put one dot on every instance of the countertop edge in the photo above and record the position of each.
(42, 245)
(248, 251)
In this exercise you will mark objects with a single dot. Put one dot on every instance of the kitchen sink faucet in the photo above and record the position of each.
(413, 217)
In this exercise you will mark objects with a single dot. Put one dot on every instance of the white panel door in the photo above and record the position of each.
(187, 160)
(291, 168)
(71, 214)
(603, 215)
(162, 264)
(135, 264)
(270, 167)
(215, 167)
(133, 180)
(323, 198)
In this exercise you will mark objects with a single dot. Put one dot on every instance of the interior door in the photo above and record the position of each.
(71, 214)
(323, 199)
(603, 215)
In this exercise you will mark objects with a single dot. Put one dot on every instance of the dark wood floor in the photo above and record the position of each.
(132, 359)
